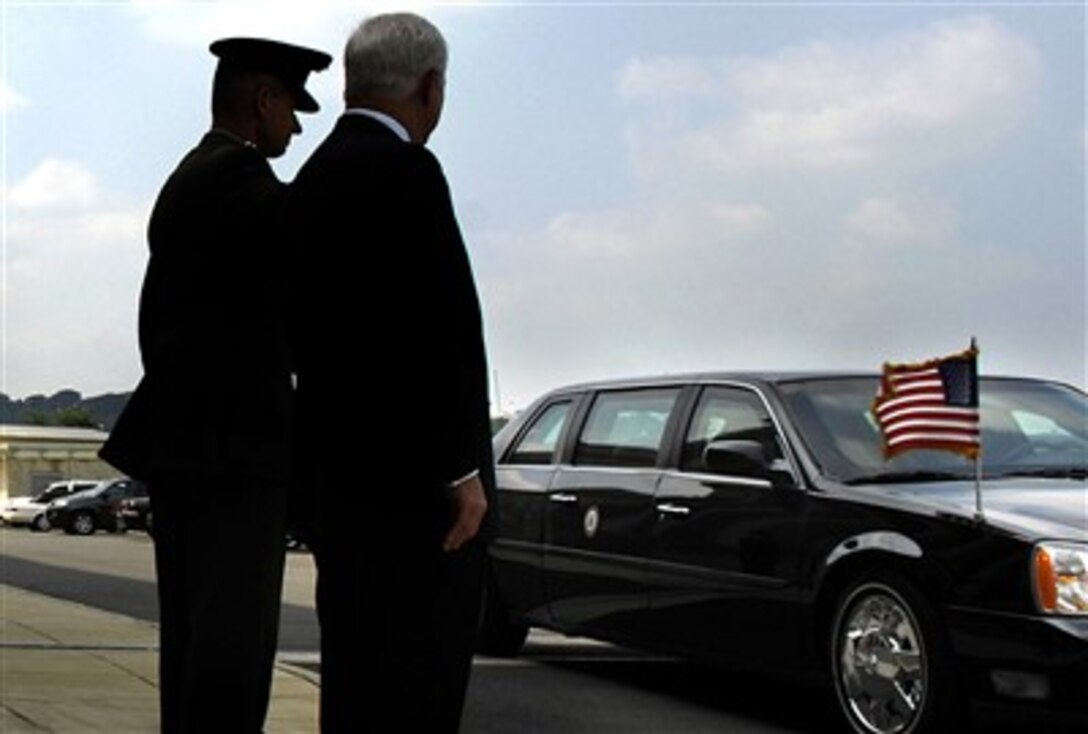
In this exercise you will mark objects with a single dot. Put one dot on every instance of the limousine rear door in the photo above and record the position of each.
(524, 476)
(600, 513)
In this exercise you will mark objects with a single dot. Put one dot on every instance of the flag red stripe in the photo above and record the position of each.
(921, 433)
(920, 388)
(936, 424)
(918, 439)
(969, 449)
(893, 402)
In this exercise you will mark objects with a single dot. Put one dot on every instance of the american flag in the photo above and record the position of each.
(930, 405)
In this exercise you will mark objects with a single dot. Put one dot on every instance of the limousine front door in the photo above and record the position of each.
(724, 547)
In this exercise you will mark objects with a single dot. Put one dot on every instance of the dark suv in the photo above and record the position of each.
(85, 512)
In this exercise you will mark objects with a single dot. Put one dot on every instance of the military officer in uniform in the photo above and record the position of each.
(209, 427)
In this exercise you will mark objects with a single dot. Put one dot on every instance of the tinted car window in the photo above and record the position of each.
(51, 494)
(727, 414)
(625, 428)
(538, 444)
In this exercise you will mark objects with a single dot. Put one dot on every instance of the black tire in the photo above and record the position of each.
(82, 523)
(40, 524)
(499, 634)
(888, 660)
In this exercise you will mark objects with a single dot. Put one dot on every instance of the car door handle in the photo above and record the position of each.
(563, 498)
(677, 510)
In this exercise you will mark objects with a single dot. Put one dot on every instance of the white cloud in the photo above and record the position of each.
(82, 231)
(655, 231)
(10, 98)
(72, 268)
(53, 184)
(666, 77)
(847, 104)
(741, 218)
(637, 290)
(664, 288)
(882, 220)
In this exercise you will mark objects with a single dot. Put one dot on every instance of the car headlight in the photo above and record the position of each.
(1061, 578)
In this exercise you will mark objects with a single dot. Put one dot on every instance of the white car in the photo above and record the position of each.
(30, 511)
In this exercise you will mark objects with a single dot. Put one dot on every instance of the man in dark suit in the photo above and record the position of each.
(382, 265)
(209, 427)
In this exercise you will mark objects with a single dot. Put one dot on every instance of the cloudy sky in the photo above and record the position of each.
(644, 187)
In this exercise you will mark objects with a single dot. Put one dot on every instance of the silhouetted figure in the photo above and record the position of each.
(209, 426)
(383, 269)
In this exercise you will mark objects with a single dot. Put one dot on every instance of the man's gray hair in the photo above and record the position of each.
(387, 55)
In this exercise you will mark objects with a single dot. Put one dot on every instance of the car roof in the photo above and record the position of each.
(749, 377)
(754, 377)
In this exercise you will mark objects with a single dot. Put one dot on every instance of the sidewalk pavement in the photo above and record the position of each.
(65, 667)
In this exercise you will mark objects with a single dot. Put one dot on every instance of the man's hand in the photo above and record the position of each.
(469, 504)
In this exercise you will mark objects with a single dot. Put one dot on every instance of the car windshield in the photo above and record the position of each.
(51, 494)
(1029, 428)
(93, 491)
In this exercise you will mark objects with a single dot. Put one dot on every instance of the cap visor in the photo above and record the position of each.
(304, 102)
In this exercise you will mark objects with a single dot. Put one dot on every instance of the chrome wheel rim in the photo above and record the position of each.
(881, 662)
(83, 524)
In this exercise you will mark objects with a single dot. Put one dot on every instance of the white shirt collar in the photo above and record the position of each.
(390, 122)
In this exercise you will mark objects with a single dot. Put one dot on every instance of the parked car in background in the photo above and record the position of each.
(93, 509)
(754, 520)
(134, 513)
(31, 511)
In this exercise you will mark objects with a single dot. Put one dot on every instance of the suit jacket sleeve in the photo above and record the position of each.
(457, 331)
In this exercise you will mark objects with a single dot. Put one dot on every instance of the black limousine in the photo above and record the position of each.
(754, 519)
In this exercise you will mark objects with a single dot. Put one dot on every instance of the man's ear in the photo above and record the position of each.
(263, 95)
(432, 87)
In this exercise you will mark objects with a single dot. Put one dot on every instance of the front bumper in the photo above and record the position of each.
(20, 516)
(1029, 661)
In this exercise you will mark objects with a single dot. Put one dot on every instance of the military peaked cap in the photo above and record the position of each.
(290, 64)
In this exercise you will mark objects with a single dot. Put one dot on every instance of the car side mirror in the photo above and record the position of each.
(737, 458)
